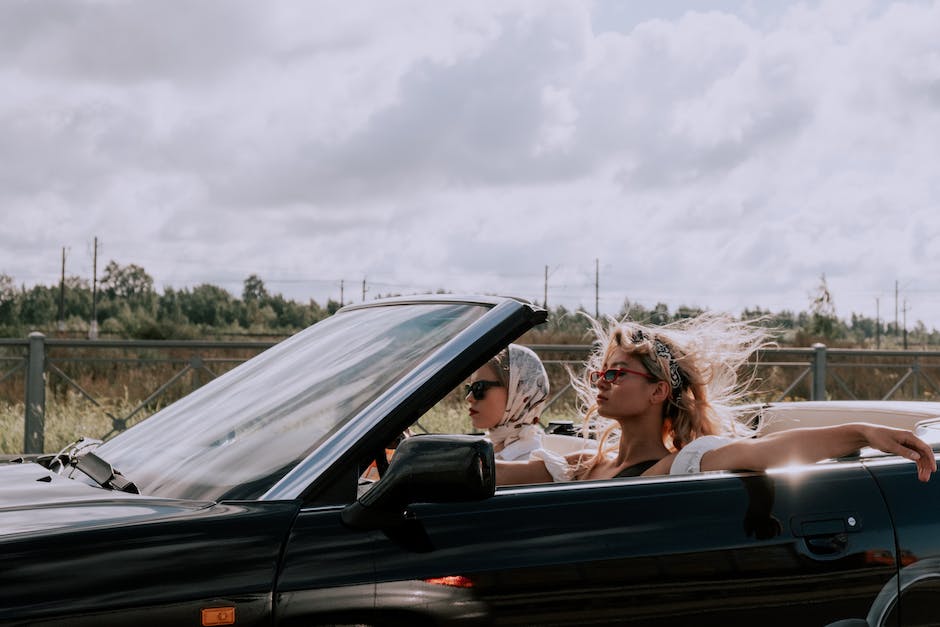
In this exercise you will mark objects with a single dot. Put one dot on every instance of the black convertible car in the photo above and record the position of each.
(248, 503)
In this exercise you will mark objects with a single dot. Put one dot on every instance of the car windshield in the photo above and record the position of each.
(239, 434)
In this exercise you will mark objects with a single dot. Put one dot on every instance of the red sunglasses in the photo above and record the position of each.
(613, 375)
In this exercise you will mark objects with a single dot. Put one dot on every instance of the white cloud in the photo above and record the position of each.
(723, 154)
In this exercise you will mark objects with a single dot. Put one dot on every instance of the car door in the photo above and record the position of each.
(138, 561)
(807, 547)
(911, 598)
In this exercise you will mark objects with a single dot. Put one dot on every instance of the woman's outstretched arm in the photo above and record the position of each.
(808, 445)
(515, 473)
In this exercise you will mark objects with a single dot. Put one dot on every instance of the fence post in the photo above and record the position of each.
(34, 433)
(819, 372)
(195, 362)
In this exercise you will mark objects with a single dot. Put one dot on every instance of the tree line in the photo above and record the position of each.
(126, 305)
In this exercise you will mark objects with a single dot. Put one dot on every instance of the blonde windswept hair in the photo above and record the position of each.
(700, 358)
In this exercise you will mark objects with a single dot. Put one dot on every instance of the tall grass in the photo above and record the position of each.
(67, 418)
(11, 427)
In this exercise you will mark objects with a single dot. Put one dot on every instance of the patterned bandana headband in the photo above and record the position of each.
(675, 376)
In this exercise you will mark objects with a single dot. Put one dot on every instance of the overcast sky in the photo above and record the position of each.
(714, 154)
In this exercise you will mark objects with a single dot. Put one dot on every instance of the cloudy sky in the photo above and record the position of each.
(721, 154)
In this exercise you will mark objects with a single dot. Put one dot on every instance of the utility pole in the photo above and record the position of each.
(93, 331)
(905, 324)
(877, 322)
(363, 289)
(341, 292)
(545, 297)
(597, 288)
(897, 329)
(61, 324)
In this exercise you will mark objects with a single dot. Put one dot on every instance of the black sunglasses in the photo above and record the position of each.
(479, 388)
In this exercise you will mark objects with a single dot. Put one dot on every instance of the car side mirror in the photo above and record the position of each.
(426, 469)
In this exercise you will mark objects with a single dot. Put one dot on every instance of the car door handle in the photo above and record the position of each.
(825, 534)
(828, 524)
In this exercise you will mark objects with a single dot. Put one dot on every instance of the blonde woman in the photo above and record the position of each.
(662, 400)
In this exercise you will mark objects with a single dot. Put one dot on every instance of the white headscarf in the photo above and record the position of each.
(527, 395)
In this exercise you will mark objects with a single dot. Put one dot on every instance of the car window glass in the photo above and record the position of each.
(237, 435)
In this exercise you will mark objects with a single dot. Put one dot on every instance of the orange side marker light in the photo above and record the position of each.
(212, 616)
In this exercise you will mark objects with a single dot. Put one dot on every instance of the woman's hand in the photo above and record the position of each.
(904, 443)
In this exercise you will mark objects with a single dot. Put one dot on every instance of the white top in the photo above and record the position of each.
(555, 463)
(689, 459)
(519, 450)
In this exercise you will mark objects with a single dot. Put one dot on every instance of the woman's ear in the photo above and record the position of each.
(660, 392)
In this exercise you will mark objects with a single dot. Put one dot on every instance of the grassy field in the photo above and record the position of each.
(67, 419)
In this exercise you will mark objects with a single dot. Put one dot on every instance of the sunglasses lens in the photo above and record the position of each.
(610, 376)
(477, 389)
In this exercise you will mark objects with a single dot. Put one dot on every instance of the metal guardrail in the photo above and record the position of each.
(815, 373)
(44, 361)
(820, 373)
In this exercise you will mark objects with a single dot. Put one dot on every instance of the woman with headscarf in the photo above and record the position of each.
(506, 397)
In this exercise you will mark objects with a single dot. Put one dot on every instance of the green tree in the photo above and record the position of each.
(862, 328)
(659, 314)
(684, 311)
(254, 310)
(38, 306)
(169, 307)
(317, 312)
(7, 300)
(289, 314)
(823, 310)
(77, 298)
(785, 319)
(632, 311)
(126, 292)
(208, 305)
(254, 290)
(131, 282)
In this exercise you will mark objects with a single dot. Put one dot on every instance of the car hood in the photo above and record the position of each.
(33, 499)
